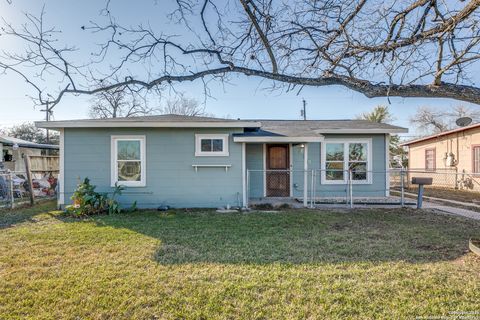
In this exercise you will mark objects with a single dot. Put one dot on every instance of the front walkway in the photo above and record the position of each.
(452, 210)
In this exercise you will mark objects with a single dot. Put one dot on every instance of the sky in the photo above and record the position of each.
(243, 97)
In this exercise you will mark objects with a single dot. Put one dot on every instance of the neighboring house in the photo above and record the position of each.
(12, 150)
(455, 150)
(184, 161)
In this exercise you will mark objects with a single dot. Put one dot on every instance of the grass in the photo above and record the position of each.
(294, 264)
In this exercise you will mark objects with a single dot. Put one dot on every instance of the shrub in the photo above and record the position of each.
(86, 201)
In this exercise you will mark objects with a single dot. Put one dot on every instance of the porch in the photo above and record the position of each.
(277, 172)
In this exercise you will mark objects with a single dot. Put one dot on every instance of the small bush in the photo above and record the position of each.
(86, 201)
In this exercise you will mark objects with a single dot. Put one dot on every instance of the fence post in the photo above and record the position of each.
(29, 178)
(12, 198)
(456, 178)
(346, 190)
(402, 187)
(248, 190)
(350, 187)
(311, 191)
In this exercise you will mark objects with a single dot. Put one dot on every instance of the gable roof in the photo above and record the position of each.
(10, 141)
(287, 128)
(441, 134)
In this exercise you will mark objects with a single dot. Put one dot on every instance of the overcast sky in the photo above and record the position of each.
(243, 97)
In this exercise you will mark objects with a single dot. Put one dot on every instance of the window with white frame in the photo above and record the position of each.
(211, 145)
(339, 157)
(128, 161)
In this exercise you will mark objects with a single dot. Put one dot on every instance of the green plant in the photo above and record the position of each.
(86, 201)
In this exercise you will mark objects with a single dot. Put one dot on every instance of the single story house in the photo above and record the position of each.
(450, 158)
(457, 149)
(185, 161)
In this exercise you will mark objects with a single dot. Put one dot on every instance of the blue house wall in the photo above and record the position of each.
(170, 178)
(377, 188)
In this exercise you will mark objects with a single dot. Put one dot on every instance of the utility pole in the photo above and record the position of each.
(48, 113)
(303, 112)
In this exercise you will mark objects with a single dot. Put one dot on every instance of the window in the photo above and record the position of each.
(335, 160)
(430, 159)
(211, 145)
(128, 161)
(476, 159)
(340, 156)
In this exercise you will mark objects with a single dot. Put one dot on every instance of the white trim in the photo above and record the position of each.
(192, 124)
(61, 178)
(346, 141)
(278, 139)
(387, 165)
(145, 124)
(244, 175)
(264, 170)
(114, 166)
(305, 175)
(198, 145)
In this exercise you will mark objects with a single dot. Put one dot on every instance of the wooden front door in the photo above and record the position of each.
(278, 166)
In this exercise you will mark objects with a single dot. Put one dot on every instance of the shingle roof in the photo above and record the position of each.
(293, 128)
(164, 118)
(315, 128)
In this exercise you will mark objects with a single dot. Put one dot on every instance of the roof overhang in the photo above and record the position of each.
(441, 134)
(362, 131)
(272, 139)
(145, 124)
(30, 146)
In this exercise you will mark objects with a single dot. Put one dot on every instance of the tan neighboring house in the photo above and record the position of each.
(451, 156)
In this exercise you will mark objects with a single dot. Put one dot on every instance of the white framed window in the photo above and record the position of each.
(339, 156)
(211, 145)
(128, 167)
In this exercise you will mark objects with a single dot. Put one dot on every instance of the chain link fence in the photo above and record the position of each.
(15, 189)
(362, 188)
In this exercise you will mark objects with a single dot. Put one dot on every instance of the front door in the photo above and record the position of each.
(278, 174)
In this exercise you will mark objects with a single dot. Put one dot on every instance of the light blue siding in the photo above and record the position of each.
(170, 178)
(375, 189)
(255, 162)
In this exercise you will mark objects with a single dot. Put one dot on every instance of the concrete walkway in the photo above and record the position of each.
(452, 210)
(460, 203)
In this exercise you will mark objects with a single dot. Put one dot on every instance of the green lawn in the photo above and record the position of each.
(300, 264)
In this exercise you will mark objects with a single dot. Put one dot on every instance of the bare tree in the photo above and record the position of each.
(415, 48)
(183, 105)
(433, 120)
(118, 103)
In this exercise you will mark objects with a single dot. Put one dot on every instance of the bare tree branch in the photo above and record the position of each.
(416, 48)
